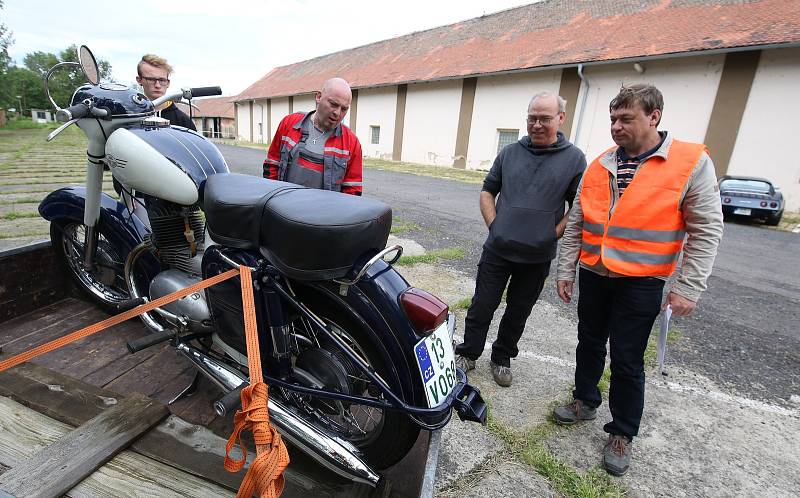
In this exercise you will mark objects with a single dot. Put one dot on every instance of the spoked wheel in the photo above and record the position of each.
(383, 436)
(104, 283)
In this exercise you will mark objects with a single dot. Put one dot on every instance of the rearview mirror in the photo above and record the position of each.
(89, 65)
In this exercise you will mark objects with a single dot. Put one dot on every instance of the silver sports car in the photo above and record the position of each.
(751, 197)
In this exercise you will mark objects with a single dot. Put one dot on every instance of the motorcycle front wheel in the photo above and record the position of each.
(104, 283)
(383, 436)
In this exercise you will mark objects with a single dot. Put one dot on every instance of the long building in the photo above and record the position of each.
(454, 95)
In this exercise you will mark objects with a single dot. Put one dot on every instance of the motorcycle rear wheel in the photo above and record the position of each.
(104, 284)
(388, 435)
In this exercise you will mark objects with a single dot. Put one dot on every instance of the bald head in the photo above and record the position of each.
(333, 102)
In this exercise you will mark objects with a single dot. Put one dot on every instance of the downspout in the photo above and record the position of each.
(585, 81)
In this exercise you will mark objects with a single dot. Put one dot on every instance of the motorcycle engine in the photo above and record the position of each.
(178, 234)
(193, 307)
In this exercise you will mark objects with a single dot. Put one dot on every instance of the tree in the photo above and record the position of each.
(63, 82)
(24, 86)
(5, 62)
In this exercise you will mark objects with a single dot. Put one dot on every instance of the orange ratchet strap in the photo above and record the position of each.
(265, 475)
(114, 320)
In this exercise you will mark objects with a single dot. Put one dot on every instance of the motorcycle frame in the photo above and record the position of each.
(268, 286)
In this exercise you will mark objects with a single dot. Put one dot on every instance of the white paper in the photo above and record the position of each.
(662, 339)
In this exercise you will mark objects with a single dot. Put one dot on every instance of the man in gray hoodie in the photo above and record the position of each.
(522, 203)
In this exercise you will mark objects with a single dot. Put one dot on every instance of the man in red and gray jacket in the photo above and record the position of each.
(315, 149)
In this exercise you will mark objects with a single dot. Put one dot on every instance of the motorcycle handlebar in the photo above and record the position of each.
(76, 111)
(206, 91)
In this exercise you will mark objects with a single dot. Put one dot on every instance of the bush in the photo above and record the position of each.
(25, 123)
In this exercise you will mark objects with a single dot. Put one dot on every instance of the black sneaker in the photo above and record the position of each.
(573, 413)
(617, 455)
(465, 363)
(502, 375)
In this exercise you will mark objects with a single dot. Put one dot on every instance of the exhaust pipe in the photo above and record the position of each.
(332, 453)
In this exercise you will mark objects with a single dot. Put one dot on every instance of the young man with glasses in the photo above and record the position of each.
(522, 203)
(153, 74)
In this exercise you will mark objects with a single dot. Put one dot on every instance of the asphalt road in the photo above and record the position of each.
(745, 333)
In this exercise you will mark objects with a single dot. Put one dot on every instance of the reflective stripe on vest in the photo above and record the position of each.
(644, 234)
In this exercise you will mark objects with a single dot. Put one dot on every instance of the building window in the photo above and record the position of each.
(506, 137)
(374, 134)
(40, 115)
(260, 129)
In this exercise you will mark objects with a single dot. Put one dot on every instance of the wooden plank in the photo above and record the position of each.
(24, 431)
(42, 319)
(55, 395)
(62, 465)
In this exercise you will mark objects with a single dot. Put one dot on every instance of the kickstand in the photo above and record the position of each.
(188, 391)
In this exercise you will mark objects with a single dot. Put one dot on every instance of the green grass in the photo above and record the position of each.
(31, 233)
(433, 256)
(242, 143)
(529, 447)
(15, 215)
(24, 123)
(463, 304)
(462, 175)
(21, 200)
(400, 225)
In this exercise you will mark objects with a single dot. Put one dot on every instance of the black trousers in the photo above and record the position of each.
(524, 288)
(620, 311)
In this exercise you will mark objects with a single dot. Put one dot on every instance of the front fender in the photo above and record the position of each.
(121, 227)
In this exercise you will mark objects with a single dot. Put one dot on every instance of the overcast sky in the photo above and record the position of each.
(231, 43)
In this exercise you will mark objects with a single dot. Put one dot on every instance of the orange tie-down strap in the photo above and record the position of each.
(266, 472)
(265, 475)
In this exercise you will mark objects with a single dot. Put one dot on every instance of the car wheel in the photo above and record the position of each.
(774, 219)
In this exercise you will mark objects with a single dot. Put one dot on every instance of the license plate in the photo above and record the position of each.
(437, 365)
(743, 211)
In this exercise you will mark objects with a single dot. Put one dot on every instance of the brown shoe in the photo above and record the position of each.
(502, 375)
(617, 455)
(573, 413)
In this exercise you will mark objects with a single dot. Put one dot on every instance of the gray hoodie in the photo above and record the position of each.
(531, 185)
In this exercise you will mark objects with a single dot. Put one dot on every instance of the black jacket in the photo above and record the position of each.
(531, 185)
(177, 117)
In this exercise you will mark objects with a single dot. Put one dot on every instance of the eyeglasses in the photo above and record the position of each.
(160, 81)
(543, 120)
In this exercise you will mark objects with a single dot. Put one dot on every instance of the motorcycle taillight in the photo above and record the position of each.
(424, 310)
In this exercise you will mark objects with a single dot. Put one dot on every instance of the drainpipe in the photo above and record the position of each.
(584, 80)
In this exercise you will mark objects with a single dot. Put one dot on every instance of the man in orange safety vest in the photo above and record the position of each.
(640, 206)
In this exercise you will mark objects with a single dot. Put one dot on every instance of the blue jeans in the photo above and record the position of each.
(620, 311)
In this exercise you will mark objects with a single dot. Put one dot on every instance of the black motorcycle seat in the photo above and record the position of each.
(308, 234)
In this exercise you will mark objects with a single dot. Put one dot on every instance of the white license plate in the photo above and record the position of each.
(743, 211)
(437, 365)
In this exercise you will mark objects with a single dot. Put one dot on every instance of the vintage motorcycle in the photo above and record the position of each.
(358, 361)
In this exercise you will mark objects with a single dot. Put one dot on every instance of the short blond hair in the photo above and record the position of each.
(153, 60)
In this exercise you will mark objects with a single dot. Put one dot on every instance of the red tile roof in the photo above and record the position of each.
(547, 33)
(212, 107)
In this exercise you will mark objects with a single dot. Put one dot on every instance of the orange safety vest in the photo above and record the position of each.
(643, 236)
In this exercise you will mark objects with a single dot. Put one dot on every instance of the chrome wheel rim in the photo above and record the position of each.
(106, 281)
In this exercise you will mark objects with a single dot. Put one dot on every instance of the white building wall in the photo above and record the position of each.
(260, 118)
(376, 107)
(304, 103)
(279, 110)
(431, 121)
(689, 86)
(501, 102)
(243, 120)
(766, 144)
